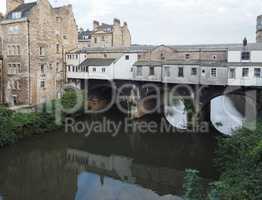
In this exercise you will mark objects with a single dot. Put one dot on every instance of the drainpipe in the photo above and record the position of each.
(29, 63)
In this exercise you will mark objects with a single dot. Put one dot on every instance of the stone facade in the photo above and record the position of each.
(106, 36)
(259, 29)
(164, 53)
(34, 45)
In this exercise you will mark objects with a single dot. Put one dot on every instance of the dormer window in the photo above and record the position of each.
(245, 55)
(16, 15)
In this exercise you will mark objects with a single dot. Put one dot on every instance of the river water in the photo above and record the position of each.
(65, 165)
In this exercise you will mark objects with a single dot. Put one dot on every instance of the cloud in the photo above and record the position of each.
(173, 22)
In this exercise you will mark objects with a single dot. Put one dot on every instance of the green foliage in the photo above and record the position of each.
(16, 125)
(193, 186)
(240, 162)
(70, 99)
(215, 191)
(7, 128)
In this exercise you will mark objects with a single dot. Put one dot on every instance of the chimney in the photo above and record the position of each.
(259, 29)
(245, 42)
(95, 24)
(13, 4)
(116, 22)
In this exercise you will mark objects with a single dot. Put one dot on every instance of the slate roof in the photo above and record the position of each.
(23, 8)
(97, 62)
(147, 63)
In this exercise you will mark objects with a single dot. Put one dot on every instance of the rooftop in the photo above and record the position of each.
(97, 62)
(23, 8)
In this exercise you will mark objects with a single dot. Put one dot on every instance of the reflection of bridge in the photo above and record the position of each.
(163, 180)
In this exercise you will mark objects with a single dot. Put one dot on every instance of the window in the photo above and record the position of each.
(18, 50)
(257, 72)
(245, 55)
(57, 48)
(214, 57)
(139, 71)
(139, 57)
(16, 85)
(13, 50)
(167, 71)
(103, 38)
(19, 69)
(42, 68)
(151, 71)
(57, 66)
(162, 56)
(14, 99)
(245, 72)
(187, 56)
(127, 57)
(213, 72)
(232, 73)
(180, 72)
(86, 69)
(95, 40)
(16, 15)
(42, 84)
(193, 71)
(42, 51)
(103, 70)
(94, 69)
(13, 30)
(105, 55)
(69, 68)
(14, 68)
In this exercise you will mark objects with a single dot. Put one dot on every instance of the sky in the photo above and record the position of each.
(172, 22)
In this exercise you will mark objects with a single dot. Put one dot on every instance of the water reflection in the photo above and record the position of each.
(65, 166)
(92, 186)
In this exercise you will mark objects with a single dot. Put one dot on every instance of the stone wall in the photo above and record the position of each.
(44, 40)
(18, 38)
(200, 55)
(167, 53)
(259, 37)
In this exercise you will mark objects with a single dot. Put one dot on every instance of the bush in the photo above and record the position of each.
(7, 127)
(239, 159)
(193, 186)
(240, 163)
(17, 125)
(70, 98)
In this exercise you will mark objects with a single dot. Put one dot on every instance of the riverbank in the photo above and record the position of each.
(15, 126)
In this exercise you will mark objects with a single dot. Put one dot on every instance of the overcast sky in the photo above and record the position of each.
(172, 21)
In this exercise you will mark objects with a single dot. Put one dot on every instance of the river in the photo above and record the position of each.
(65, 165)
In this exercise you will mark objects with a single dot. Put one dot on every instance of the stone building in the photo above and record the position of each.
(36, 37)
(259, 29)
(106, 35)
